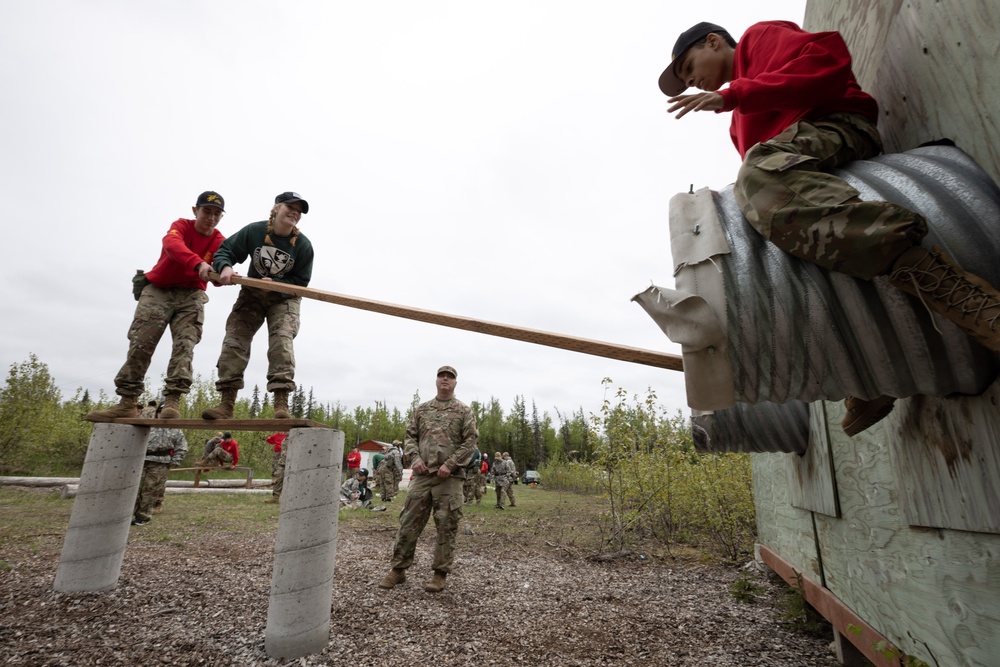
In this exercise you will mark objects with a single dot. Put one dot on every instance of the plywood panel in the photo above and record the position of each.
(864, 25)
(810, 476)
(784, 529)
(946, 454)
(934, 593)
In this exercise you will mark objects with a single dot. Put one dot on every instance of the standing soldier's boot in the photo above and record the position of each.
(224, 410)
(436, 584)
(965, 299)
(396, 576)
(126, 408)
(171, 407)
(281, 404)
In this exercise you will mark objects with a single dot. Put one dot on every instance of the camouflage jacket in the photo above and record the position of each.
(394, 459)
(166, 445)
(441, 432)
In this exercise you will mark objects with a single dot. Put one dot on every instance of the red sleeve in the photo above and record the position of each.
(236, 453)
(176, 248)
(785, 67)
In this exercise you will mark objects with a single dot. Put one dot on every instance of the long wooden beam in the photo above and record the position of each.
(585, 345)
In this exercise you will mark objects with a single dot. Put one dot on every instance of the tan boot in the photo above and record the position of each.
(281, 404)
(396, 576)
(171, 407)
(861, 413)
(436, 584)
(965, 299)
(273, 500)
(126, 408)
(224, 410)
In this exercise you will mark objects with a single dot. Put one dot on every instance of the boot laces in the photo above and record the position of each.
(953, 289)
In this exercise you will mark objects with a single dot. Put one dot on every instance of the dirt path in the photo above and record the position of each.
(203, 601)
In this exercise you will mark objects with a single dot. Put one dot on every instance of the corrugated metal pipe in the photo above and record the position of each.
(763, 333)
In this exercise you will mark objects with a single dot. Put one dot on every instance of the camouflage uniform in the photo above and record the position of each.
(786, 192)
(279, 471)
(165, 447)
(280, 261)
(395, 457)
(183, 310)
(354, 494)
(385, 479)
(438, 433)
(503, 478)
(470, 488)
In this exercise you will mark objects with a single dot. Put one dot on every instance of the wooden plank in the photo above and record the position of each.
(946, 455)
(851, 627)
(584, 345)
(220, 424)
(811, 481)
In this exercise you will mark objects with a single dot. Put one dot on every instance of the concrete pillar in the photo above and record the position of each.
(305, 546)
(94, 547)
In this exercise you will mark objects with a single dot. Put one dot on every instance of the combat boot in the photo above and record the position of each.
(861, 413)
(126, 408)
(965, 299)
(436, 584)
(281, 404)
(224, 410)
(395, 577)
(171, 407)
(273, 500)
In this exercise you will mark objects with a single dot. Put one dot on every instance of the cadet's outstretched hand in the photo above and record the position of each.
(697, 102)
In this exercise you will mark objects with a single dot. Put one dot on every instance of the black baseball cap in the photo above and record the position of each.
(670, 83)
(289, 197)
(209, 198)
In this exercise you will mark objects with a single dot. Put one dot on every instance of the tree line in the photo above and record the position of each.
(43, 433)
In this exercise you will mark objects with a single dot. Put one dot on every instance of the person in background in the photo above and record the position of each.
(353, 462)
(212, 443)
(277, 441)
(165, 447)
(354, 493)
(440, 437)
(227, 453)
(470, 488)
(171, 294)
(278, 251)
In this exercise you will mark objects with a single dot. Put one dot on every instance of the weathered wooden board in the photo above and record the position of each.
(946, 454)
(934, 593)
(811, 482)
(784, 529)
(221, 424)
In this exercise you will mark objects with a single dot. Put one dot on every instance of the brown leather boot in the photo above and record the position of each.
(281, 404)
(436, 584)
(273, 500)
(171, 407)
(861, 413)
(224, 410)
(965, 299)
(396, 576)
(126, 408)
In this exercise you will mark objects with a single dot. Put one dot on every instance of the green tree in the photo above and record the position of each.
(29, 412)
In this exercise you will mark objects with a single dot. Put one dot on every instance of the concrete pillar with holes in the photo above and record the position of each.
(305, 545)
(94, 546)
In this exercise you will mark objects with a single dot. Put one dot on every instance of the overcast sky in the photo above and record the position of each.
(511, 162)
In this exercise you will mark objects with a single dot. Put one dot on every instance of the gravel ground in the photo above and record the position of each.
(204, 601)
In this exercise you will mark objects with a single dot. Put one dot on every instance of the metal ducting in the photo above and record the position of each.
(794, 333)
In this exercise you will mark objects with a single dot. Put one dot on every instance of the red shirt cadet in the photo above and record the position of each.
(277, 439)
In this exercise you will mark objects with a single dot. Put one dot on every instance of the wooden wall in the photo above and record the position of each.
(915, 550)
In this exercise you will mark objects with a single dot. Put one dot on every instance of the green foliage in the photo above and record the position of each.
(745, 590)
(796, 614)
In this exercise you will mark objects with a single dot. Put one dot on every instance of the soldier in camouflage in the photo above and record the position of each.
(165, 447)
(396, 463)
(797, 114)
(384, 477)
(440, 438)
(171, 294)
(503, 478)
(470, 488)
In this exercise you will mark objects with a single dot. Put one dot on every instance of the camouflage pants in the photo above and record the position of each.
(386, 481)
(427, 494)
(471, 489)
(219, 456)
(183, 310)
(504, 488)
(252, 308)
(151, 489)
(786, 191)
(278, 472)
